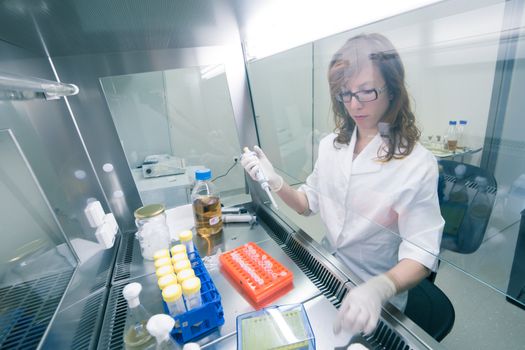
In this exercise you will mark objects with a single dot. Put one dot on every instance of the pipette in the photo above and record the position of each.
(261, 179)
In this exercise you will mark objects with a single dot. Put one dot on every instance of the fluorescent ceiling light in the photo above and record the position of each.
(280, 25)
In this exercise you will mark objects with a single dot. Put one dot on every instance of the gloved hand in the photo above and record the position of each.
(257, 160)
(362, 306)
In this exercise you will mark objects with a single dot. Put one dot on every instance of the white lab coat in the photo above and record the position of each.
(377, 213)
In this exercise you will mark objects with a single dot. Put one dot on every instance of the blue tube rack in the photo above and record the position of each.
(204, 319)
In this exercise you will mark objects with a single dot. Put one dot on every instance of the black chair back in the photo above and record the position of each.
(465, 220)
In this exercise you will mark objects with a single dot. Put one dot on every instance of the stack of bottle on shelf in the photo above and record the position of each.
(453, 139)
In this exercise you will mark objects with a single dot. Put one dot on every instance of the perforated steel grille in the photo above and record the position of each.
(112, 335)
(125, 257)
(27, 308)
(328, 283)
(86, 336)
(384, 337)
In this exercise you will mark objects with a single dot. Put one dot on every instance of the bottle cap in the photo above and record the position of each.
(161, 262)
(181, 265)
(163, 253)
(164, 270)
(452, 122)
(167, 280)
(178, 257)
(178, 248)
(160, 326)
(203, 174)
(463, 122)
(149, 211)
(131, 293)
(186, 236)
(171, 293)
(183, 275)
(460, 170)
(481, 182)
(191, 285)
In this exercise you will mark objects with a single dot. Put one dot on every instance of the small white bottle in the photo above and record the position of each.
(160, 327)
(191, 288)
(186, 238)
(172, 295)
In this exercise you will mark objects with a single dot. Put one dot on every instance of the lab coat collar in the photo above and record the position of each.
(367, 161)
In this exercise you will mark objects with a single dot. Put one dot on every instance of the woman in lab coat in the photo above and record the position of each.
(373, 184)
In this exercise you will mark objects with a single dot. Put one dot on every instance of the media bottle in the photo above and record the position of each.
(461, 134)
(136, 336)
(206, 204)
(452, 136)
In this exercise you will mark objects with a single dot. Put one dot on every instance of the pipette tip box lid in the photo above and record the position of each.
(275, 327)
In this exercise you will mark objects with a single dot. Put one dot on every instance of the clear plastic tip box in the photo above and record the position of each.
(275, 327)
(210, 315)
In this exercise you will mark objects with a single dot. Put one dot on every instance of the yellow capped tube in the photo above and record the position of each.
(178, 257)
(178, 248)
(161, 262)
(172, 295)
(186, 238)
(164, 270)
(185, 274)
(181, 265)
(167, 280)
(191, 288)
(163, 253)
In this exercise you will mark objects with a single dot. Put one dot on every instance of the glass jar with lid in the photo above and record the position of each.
(153, 233)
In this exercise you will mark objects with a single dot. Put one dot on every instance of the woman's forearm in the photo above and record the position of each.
(294, 199)
(407, 274)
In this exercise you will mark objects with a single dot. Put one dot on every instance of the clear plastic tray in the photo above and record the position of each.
(275, 327)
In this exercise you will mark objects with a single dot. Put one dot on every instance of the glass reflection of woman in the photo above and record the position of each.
(373, 184)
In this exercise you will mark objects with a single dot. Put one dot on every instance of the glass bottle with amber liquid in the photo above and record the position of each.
(206, 204)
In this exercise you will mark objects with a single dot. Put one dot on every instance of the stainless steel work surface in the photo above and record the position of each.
(235, 302)
(321, 314)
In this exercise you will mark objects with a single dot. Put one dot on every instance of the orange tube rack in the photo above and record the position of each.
(256, 272)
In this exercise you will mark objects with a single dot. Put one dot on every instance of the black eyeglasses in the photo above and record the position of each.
(362, 95)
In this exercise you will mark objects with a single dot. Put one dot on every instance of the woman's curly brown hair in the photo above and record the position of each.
(374, 47)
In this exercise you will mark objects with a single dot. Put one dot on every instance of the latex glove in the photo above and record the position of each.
(257, 160)
(362, 306)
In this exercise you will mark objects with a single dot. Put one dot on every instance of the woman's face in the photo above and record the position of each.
(366, 115)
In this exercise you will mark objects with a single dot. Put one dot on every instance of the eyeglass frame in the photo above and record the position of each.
(339, 97)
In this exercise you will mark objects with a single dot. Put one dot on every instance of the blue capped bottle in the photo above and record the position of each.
(206, 204)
